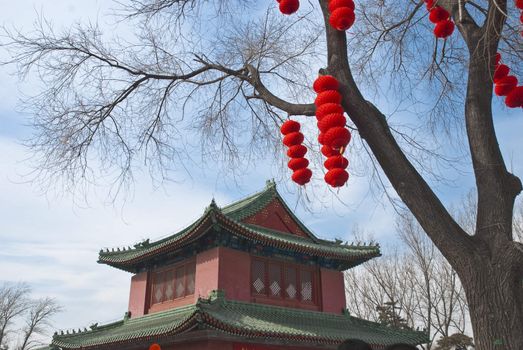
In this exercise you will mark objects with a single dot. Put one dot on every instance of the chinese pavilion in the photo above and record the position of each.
(248, 276)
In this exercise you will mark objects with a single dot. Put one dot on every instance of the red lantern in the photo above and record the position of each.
(342, 18)
(302, 176)
(327, 151)
(288, 7)
(296, 151)
(321, 138)
(497, 58)
(429, 4)
(328, 108)
(444, 29)
(324, 83)
(437, 14)
(501, 71)
(289, 126)
(336, 177)
(298, 163)
(519, 4)
(335, 4)
(515, 98)
(337, 137)
(155, 347)
(505, 85)
(329, 96)
(292, 139)
(336, 161)
(331, 121)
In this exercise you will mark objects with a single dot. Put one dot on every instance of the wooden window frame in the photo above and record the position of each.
(163, 271)
(282, 300)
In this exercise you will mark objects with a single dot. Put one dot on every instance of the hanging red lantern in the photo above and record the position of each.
(497, 58)
(342, 18)
(288, 7)
(302, 176)
(337, 137)
(444, 29)
(328, 108)
(292, 139)
(298, 163)
(324, 83)
(321, 138)
(429, 4)
(505, 85)
(336, 161)
(501, 71)
(329, 96)
(336, 177)
(296, 151)
(155, 347)
(519, 4)
(335, 4)
(327, 151)
(289, 126)
(331, 121)
(437, 14)
(515, 98)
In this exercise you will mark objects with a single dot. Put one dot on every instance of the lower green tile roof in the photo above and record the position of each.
(242, 319)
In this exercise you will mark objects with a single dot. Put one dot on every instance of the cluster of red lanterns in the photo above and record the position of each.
(293, 139)
(507, 85)
(441, 18)
(288, 7)
(334, 136)
(342, 15)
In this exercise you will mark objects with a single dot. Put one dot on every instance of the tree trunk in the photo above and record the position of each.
(495, 295)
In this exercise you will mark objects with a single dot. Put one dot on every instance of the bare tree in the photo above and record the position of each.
(38, 322)
(417, 279)
(14, 302)
(22, 319)
(125, 102)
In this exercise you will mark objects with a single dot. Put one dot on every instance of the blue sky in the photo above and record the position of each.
(52, 243)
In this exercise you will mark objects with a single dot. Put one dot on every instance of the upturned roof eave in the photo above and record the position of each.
(215, 217)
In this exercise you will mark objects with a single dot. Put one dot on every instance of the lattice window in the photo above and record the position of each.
(258, 277)
(169, 285)
(291, 290)
(306, 285)
(275, 280)
(158, 288)
(191, 271)
(180, 282)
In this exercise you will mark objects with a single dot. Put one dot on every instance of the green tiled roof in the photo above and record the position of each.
(230, 217)
(242, 319)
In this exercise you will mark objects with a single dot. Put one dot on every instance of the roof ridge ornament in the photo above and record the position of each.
(270, 184)
(217, 295)
(143, 244)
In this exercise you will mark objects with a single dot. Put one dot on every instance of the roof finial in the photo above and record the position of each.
(270, 183)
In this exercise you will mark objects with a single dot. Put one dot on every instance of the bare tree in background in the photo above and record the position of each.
(14, 302)
(23, 319)
(124, 102)
(418, 279)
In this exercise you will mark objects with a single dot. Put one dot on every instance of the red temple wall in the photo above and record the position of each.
(230, 270)
(207, 273)
(332, 291)
(138, 294)
(235, 274)
(275, 217)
